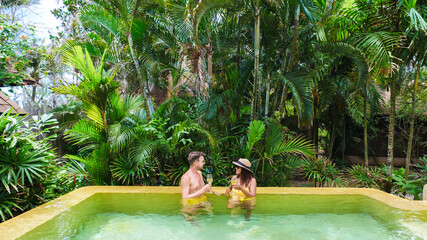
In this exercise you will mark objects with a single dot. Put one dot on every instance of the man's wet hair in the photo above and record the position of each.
(193, 156)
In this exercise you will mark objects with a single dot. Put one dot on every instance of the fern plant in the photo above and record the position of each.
(270, 144)
(322, 171)
(26, 154)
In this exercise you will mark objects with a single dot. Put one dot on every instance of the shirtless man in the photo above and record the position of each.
(193, 187)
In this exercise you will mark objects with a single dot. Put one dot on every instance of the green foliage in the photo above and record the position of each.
(14, 50)
(25, 159)
(103, 108)
(276, 151)
(65, 176)
(322, 171)
(131, 172)
(301, 89)
(8, 204)
(255, 132)
(376, 177)
(402, 186)
(372, 177)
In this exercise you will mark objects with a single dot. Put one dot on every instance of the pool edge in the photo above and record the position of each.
(25, 222)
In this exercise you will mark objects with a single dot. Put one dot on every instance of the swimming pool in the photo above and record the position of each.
(280, 213)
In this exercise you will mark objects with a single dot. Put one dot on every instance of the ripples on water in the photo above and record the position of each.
(158, 216)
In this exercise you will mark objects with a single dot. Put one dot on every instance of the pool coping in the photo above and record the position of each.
(25, 222)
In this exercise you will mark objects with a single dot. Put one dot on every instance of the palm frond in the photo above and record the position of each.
(205, 6)
(255, 132)
(92, 15)
(274, 136)
(378, 47)
(301, 88)
(85, 132)
(298, 146)
(355, 55)
(143, 149)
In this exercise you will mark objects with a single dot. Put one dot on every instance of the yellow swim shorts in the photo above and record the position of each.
(194, 201)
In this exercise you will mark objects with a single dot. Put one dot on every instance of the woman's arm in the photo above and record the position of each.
(252, 188)
(230, 187)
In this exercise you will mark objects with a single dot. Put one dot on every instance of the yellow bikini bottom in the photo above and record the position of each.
(238, 195)
(194, 201)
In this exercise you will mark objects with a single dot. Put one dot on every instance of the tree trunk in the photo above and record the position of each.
(170, 84)
(411, 128)
(209, 64)
(148, 104)
(283, 99)
(332, 141)
(238, 44)
(390, 143)
(238, 60)
(365, 128)
(343, 140)
(33, 95)
(292, 58)
(255, 91)
(315, 120)
(295, 39)
(267, 95)
(315, 133)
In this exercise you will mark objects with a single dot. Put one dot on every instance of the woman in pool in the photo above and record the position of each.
(242, 189)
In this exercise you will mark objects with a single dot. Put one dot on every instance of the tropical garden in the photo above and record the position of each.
(128, 88)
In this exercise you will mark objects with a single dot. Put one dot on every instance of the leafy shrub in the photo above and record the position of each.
(371, 177)
(26, 155)
(404, 187)
(322, 171)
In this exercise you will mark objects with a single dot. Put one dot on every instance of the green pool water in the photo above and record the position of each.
(159, 216)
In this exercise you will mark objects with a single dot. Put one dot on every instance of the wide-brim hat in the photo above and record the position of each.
(244, 163)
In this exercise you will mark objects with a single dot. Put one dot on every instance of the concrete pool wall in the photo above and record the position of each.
(22, 224)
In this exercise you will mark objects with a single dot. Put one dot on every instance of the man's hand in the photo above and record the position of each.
(216, 193)
(207, 188)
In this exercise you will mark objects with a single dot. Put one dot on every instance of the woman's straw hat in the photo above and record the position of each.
(244, 163)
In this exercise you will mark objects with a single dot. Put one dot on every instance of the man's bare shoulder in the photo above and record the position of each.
(186, 177)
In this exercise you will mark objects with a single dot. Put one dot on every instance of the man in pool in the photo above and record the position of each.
(193, 187)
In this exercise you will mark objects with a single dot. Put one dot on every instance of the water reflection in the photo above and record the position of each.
(195, 206)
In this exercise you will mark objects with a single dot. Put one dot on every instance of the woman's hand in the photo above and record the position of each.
(227, 192)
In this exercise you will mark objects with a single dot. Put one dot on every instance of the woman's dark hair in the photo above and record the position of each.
(245, 177)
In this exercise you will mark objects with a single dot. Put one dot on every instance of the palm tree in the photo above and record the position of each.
(192, 22)
(104, 109)
(272, 144)
(335, 85)
(118, 19)
(386, 21)
(416, 55)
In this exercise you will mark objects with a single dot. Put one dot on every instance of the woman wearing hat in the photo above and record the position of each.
(242, 188)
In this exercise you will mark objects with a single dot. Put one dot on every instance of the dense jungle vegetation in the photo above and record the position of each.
(128, 88)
